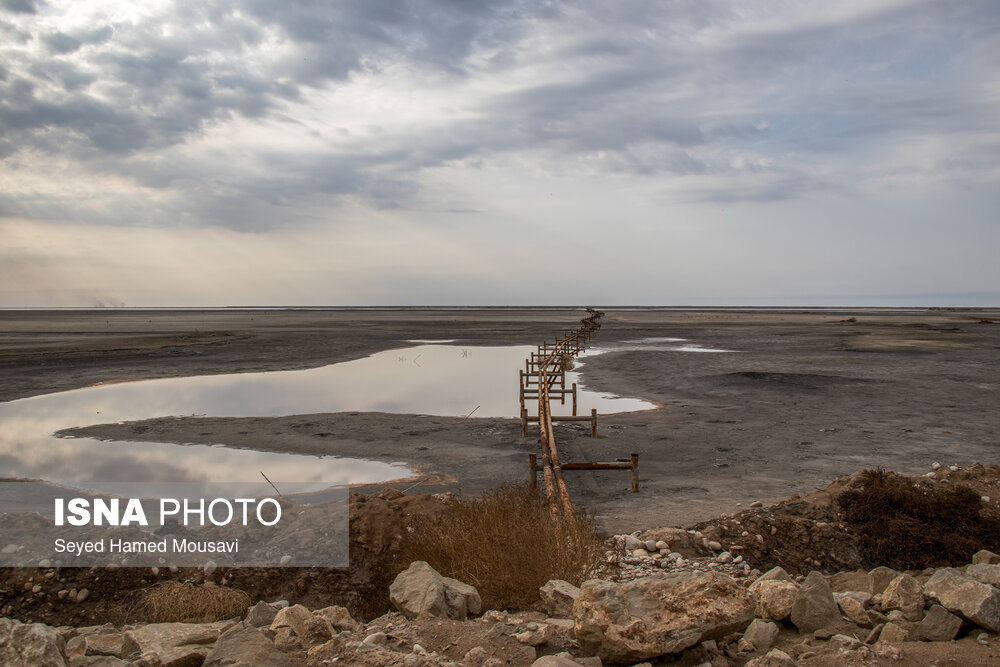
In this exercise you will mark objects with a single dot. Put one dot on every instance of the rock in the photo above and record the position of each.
(536, 636)
(724, 557)
(985, 557)
(861, 596)
(295, 617)
(340, 619)
(242, 646)
(475, 656)
(650, 545)
(879, 578)
(178, 643)
(774, 598)
(713, 545)
(774, 574)
(632, 543)
(844, 643)
(260, 615)
(892, 633)
(905, 594)
(661, 545)
(850, 581)
(558, 597)
(376, 638)
(660, 614)
(420, 588)
(939, 625)
(462, 599)
(30, 644)
(854, 611)
(554, 661)
(774, 658)
(82, 594)
(814, 607)
(969, 598)
(115, 644)
(873, 635)
(759, 636)
(681, 541)
(985, 572)
(640, 553)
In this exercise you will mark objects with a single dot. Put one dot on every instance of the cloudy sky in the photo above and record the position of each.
(377, 152)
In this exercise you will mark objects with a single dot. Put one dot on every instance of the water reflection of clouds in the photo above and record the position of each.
(447, 381)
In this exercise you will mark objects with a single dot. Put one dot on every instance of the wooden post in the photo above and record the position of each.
(521, 392)
(635, 472)
(524, 421)
(533, 471)
(593, 422)
(574, 399)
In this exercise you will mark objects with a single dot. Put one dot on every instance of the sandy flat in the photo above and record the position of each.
(798, 398)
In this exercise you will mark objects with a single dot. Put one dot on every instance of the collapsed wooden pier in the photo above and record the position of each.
(542, 381)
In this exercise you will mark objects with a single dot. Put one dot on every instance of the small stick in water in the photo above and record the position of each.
(269, 482)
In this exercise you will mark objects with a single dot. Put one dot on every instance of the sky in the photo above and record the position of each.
(456, 152)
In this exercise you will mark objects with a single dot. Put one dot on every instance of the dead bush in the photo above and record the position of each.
(506, 544)
(909, 527)
(177, 602)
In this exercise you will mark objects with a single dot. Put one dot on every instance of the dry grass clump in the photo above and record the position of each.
(506, 544)
(907, 527)
(174, 601)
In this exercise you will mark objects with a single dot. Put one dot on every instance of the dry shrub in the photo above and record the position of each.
(174, 601)
(908, 527)
(506, 544)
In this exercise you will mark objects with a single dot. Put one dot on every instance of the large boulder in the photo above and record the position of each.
(985, 572)
(969, 598)
(759, 636)
(939, 625)
(880, 578)
(904, 593)
(625, 623)
(814, 606)
(30, 644)
(421, 589)
(242, 646)
(558, 597)
(774, 598)
(985, 556)
(774, 574)
(296, 617)
(178, 644)
(853, 609)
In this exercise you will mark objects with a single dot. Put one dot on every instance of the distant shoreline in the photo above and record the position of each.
(623, 308)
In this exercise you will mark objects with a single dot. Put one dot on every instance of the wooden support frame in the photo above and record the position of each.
(631, 465)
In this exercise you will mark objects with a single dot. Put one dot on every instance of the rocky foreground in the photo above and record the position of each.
(697, 613)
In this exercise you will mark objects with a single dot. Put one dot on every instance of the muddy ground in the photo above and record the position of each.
(802, 398)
